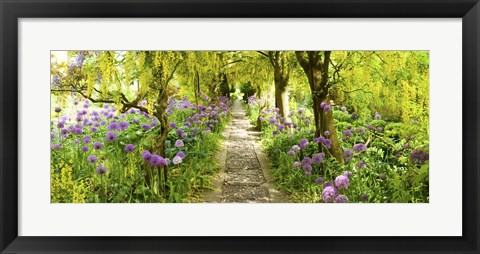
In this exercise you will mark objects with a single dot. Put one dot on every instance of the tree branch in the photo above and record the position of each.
(263, 53)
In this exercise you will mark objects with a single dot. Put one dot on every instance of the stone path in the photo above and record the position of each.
(245, 177)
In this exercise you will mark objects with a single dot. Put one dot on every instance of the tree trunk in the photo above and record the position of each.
(161, 115)
(281, 77)
(281, 98)
(317, 74)
(197, 87)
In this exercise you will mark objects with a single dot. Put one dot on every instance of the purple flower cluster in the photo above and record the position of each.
(419, 157)
(359, 148)
(325, 106)
(129, 148)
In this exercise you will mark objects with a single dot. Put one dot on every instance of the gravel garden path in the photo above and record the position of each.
(245, 175)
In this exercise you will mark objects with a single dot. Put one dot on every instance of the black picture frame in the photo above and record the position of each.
(11, 11)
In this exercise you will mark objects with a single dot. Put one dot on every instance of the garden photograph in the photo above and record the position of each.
(249, 126)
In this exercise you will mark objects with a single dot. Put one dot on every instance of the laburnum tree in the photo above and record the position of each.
(316, 65)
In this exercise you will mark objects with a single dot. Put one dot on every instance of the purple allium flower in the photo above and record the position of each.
(406, 145)
(319, 180)
(383, 177)
(56, 146)
(87, 139)
(92, 158)
(308, 168)
(323, 104)
(77, 141)
(354, 116)
(84, 149)
(261, 118)
(111, 136)
(359, 148)
(296, 164)
(370, 127)
(361, 164)
(123, 125)
(364, 197)
(129, 148)
(177, 160)
(328, 184)
(347, 133)
(327, 108)
(306, 161)
(179, 132)
(377, 116)
(58, 109)
(379, 129)
(342, 182)
(97, 145)
(329, 194)
(348, 155)
(316, 140)
(184, 135)
(326, 133)
(272, 120)
(101, 170)
(64, 132)
(78, 131)
(75, 103)
(93, 129)
(173, 125)
(181, 154)
(85, 105)
(291, 153)
(361, 131)
(179, 143)
(275, 133)
(295, 148)
(347, 173)
(300, 111)
(146, 155)
(164, 162)
(318, 158)
(188, 124)
(419, 157)
(113, 126)
(106, 105)
(303, 143)
(60, 124)
(156, 160)
(341, 199)
(327, 143)
(146, 126)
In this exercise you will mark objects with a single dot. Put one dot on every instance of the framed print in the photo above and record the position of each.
(224, 126)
